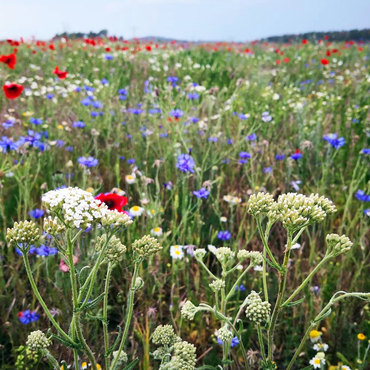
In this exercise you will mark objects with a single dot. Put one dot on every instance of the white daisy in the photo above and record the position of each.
(176, 252)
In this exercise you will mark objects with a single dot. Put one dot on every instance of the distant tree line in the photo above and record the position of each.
(352, 35)
(80, 35)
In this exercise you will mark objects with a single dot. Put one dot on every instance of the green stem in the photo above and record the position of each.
(260, 340)
(264, 264)
(42, 302)
(264, 241)
(305, 281)
(76, 315)
(51, 359)
(105, 314)
(232, 290)
(130, 308)
(282, 277)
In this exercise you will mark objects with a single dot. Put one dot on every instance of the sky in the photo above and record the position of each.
(228, 20)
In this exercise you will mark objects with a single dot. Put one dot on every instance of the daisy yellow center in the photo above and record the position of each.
(157, 229)
(177, 252)
(317, 361)
(314, 333)
(136, 208)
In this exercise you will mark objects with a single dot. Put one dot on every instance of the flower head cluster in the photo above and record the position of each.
(260, 203)
(257, 310)
(53, 226)
(338, 244)
(23, 233)
(188, 310)
(164, 335)
(255, 257)
(122, 357)
(217, 285)
(37, 341)
(115, 218)
(114, 251)
(77, 207)
(334, 141)
(225, 255)
(224, 334)
(296, 210)
(200, 253)
(184, 357)
(146, 246)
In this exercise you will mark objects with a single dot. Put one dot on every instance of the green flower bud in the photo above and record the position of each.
(23, 234)
(164, 335)
(37, 340)
(338, 244)
(188, 310)
(146, 246)
(257, 311)
(260, 203)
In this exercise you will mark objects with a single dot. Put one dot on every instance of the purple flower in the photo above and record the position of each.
(131, 161)
(279, 157)
(78, 124)
(251, 137)
(26, 317)
(36, 121)
(224, 235)
(176, 113)
(88, 162)
(213, 139)
(193, 96)
(361, 196)
(267, 169)
(234, 342)
(8, 124)
(365, 151)
(334, 141)
(244, 155)
(36, 213)
(185, 163)
(108, 57)
(201, 193)
(296, 155)
(46, 251)
(266, 117)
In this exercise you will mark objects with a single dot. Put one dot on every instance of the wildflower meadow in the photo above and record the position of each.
(177, 205)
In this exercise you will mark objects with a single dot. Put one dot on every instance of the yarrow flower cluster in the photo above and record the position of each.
(23, 234)
(37, 341)
(188, 310)
(260, 203)
(115, 250)
(225, 255)
(53, 226)
(146, 246)
(296, 210)
(338, 244)
(224, 334)
(184, 357)
(77, 207)
(257, 310)
(255, 257)
(164, 335)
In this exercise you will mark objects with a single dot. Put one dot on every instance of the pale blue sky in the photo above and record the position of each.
(231, 20)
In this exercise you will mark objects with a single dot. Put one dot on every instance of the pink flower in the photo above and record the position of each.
(64, 267)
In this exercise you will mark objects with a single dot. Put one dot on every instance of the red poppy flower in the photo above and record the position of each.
(324, 61)
(304, 41)
(9, 60)
(12, 90)
(113, 201)
(286, 60)
(59, 73)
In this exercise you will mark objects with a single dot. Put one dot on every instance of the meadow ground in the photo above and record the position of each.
(188, 140)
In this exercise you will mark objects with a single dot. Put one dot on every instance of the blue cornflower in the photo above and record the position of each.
(224, 235)
(49, 96)
(60, 143)
(94, 114)
(104, 81)
(155, 111)
(176, 113)
(279, 157)
(362, 196)
(244, 155)
(185, 163)
(123, 92)
(135, 111)
(355, 120)
(213, 139)
(241, 288)
(79, 124)
(26, 317)
(193, 96)
(194, 119)
(234, 342)
(97, 104)
(251, 137)
(8, 124)
(89, 88)
(201, 193)
(45, 251)
(108, 57)
(365, 151)
(36, 213)
(88, 162)
(243, 161)
(266, 117)
(267, 169)
(367, 212)
(36, 121)
(243, 116)
(334, 141)
(131, 161)
(8, 144)
(32, 250)
(296, 155)
(69, 148)
(86, 102)
(172, 80)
